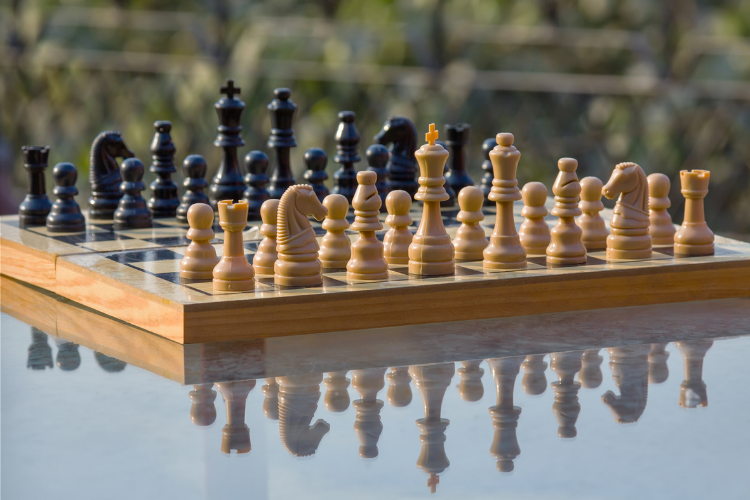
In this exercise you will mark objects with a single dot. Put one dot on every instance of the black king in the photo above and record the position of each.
(227, 184)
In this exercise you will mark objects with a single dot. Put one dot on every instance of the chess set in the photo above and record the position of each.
(502, 252)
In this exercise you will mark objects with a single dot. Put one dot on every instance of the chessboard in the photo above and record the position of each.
(139, 284)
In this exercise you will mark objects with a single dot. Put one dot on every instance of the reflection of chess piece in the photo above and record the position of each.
(399, 387)
(337, 396)
(108, 363)
(298, 401)
(693, 388)
(590, 375)
(203, 409)
(368, 427)
(68, 358)
(629, 365)
(658, 371)
(566, 406)
(432, 381)
(534, 381)
(40, 353)
(271, 399)
(661, 228)
(236, 434)
(398, 238)
(504, 414)
(470, 388)
(694, 237)
(534, 231)
(593, 226)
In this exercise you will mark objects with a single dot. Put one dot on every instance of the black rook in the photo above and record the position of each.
(35, 207)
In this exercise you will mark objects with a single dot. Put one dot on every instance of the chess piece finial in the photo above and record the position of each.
(132, 211)
(233, 273)
(347, 144)
(104, 174)
(505, 414)
(164, 200)
(658, 370)
(337, 396)
(566, 406)
(471, 388)
(590, 376)
(35, 207)
(282, 111)
(228, 184)
(566, 245)
(660, 226)
(505, 250)
(377, 157)
(298, 401)
(401, 134)
(693, 391)
(266, 256)
(367, 260)
(235, 435)
(486, 185)
(630, 220)
(256, 164)
(298, 263)
(694, 238)
(470, 240)
(534, 231)
(534, 380)
(368, 427)
(335, 247)
(431, 252)
(591, 223)
(200, 256)
(65, 216)
(629, 365)
(398, 238)
(316, 160)
(457, 138)
(203, 409)
(399, 386)
(194, 169)
(271, 399)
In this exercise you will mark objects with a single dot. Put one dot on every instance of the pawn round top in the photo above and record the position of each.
(367, 177)
(398, 202)
(132, 170)
(282, 93)
(162, 126)
(194, 166)
(347, 116)
(505, 139)
(658, 185)
(256, 162)
(337, 206)
(65, 174)
(487, 146)
(534, 194)
(269, 211)
(567, 164)
(470, 199)
(591, 189)
(200, 216)
(377, 156)
(315, 159)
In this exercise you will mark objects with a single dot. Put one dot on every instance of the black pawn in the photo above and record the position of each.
(316, 160)
(228, 184)
(194, 169)
(35, 206)
(377, 158)
(132, 211)
(68, 358)
(457, 138)
(65, 216)
(256, 164)
(486, 186)
(451, 201)
(282, 111)
(108, 363)
(347, 143)
(164, 199)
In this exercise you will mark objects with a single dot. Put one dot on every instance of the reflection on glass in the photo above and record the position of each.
(470, 388)
(504, 414)
(566, 406)
(337, 397)
(271, 400)
(534, 380)
(630, 371)
(658, 371)
(203, 409)
(591, 376)
(693, 389)
(40, 353)
(236, 434)
(399, 387)
(368, 427)
(108, 363)
(68, 358)
(298, 401)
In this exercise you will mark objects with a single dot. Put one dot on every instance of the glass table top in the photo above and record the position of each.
(650, 404)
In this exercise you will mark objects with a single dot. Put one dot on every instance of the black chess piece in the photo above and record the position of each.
(316, 160)
(164, 199)
(40, 352)
(65, 216)
(347, 154)
(486, 185)
(194, 169)
(256, 164)
(104, 174)
(451, 201)
(228, 184)
(282, 111)
(108, 363)
(457, 138)
(377, 158)
(35, 206)
(401, 134)
(132, 211)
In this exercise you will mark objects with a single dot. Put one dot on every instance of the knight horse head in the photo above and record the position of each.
(293, 229)
(629, 181)
(104, 172)
(400, 134)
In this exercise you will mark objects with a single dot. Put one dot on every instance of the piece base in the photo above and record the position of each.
(197, 275)
(334, 265)
(682, 250)
(566, 261)
(662, 242)
(233, 286)
(263, 270)
(397, 261)
(78, 228)
(469, 256)
(432, 268)
(536, 251)
(298, 280)
(367, 277)
(503, 265)
(595, 246)
(616, 254)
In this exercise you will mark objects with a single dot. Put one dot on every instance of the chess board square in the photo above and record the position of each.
(172, 277)
(466, 271)
(540, 260)
(169, 241)
(119, 244)
(158, 266)
(664, 251)
(594, 261)
(74, 239)
(267, 280)
(334, 281)
(145, 256)
(251, 245)
(399, 270)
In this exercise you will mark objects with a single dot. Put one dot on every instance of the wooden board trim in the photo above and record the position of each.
(26, 264)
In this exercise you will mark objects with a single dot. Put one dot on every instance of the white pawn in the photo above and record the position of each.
(470, 240)
(534, 232)
(266, 255)
(661, 228)
(367, 262)
(335, 247)
(398, 238)
(593, 226)
(200, 256)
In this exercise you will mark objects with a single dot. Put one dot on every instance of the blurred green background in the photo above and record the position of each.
(664, 84)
